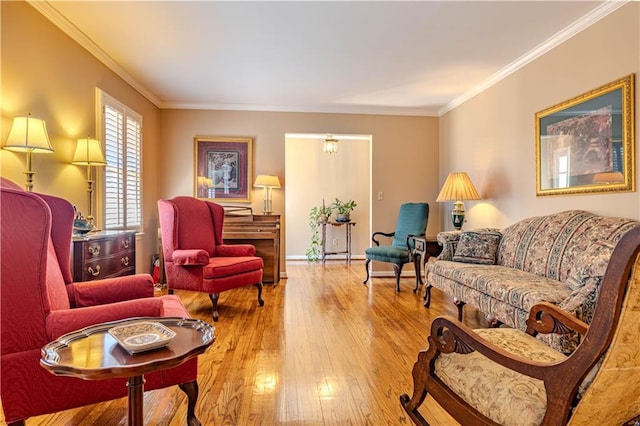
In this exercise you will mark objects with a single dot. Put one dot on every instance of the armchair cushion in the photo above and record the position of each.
(391, 254)
(219, 267)
(477, 247)
(485, 384)
(110, 290)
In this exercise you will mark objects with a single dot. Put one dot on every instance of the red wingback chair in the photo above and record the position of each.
(39, 302)
(195, 256)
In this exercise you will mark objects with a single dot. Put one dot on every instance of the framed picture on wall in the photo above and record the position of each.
(223, 168)
(586, 144)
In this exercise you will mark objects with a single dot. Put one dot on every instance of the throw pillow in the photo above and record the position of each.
(591, 264)
(477, 247)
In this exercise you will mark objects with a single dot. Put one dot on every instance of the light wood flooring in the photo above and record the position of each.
(324, 350)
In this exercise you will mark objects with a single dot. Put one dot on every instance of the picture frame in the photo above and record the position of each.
(223, 168)
(586, 144)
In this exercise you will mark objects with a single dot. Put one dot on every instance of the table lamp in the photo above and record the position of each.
(89, 153)
(457, 187)
(28, 135)
(267, 182)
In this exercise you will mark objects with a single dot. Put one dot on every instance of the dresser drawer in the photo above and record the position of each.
(104, 247)
(104, 255)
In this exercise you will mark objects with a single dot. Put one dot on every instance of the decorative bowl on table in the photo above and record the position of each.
(82, 226)
(140, 336)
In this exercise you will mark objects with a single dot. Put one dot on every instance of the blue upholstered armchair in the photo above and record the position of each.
(412, 222)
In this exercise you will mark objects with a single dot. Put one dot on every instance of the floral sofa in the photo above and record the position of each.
(559, 258)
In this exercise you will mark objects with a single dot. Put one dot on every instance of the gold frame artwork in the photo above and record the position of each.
(587, 144)
(223, 168)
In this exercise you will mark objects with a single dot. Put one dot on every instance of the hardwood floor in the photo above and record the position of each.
(324, 350)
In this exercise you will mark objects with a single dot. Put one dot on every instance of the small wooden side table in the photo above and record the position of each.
(74, 355)
(347, 250)
(425, 247)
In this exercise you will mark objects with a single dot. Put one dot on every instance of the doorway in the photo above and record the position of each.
(312, 175)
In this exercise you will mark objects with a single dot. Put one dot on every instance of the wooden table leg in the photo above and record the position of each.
(136, 400)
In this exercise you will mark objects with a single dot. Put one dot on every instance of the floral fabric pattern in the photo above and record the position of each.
(477, 247)
(486, 385)
(591, 265)
(449, 241)
(559, 258)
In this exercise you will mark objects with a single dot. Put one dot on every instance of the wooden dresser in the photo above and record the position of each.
(261, 231)
(104, 254)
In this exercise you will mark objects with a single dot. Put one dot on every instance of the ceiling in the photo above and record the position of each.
(379, 57)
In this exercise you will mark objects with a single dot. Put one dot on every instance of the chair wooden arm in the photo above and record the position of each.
(548, 318)
(449, 335)
(386, 234)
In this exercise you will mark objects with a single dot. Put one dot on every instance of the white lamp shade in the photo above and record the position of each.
(28, 134)
(88, 153)
(267, 181)
(458, 187)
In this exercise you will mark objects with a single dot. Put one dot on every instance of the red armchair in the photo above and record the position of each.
(195, 256)
(40, 303)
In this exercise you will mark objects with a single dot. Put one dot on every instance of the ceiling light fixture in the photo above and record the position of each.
(330, 145)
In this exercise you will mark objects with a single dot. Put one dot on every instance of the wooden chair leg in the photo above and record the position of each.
(191, 389)
(397, 269)
(214, 301)
(260, 300)
(459, 304)
(366, 267)
(427, 296)
(416, 265)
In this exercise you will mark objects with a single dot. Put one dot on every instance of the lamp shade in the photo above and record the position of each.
(28, 134)
(267, 181)
(88, 153)
(457, 187)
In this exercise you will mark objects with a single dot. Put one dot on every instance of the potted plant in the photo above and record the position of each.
(343, 209)
(317, 215)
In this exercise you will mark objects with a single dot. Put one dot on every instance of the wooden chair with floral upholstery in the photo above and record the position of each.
(504, 376)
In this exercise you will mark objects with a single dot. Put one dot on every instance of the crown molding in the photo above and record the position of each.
(48, 11)
(52, 14)
(586, 21)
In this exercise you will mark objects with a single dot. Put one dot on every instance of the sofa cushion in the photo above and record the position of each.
(591, 264)
(477, 247)
(511, 286)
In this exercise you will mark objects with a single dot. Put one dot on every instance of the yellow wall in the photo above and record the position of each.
(46, 73)
(492, 136)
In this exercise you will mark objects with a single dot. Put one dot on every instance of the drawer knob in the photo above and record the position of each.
(94, 250)
(125, 261)
(94, 272)
(125, 244)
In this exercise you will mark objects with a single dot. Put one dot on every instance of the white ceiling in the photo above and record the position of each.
(380, 57)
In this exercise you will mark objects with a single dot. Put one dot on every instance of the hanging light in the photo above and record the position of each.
(330, 145)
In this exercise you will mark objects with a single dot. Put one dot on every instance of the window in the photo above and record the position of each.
(122, 139)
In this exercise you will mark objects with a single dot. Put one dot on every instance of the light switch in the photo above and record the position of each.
(380, 195)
